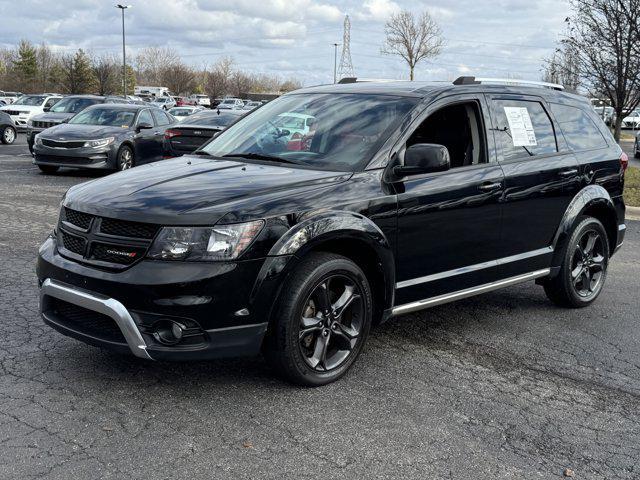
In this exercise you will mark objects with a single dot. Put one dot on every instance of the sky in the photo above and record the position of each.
(294, 38)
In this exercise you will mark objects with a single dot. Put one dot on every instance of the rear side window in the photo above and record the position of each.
(580, 132)
(161, 118)
(523, 129)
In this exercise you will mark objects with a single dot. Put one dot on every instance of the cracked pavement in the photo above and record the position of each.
(504, 385)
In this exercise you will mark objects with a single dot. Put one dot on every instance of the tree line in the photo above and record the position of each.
(30, 68)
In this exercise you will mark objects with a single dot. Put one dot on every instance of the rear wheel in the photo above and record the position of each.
(322, 321)
(8, 135)
(48, 168)
(125, 159)
(584, 267)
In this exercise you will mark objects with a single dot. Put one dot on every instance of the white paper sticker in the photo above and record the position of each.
(520, 127)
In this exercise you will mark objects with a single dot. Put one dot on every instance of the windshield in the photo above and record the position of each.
(213, 120)
(73, 105)
(180, 112)
(330, 131)
(105, 116)
(228, 102)
(33, 100)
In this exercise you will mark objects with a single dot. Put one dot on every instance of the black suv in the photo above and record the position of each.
(383, 199)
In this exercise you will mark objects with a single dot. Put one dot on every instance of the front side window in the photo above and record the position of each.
(458, 127)
(114, 117)
(161, 118)
(51, 102)
(328, 131)
(523, 129)
(145, 117)
(580, 132)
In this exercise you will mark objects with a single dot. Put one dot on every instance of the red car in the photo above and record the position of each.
(184, 102)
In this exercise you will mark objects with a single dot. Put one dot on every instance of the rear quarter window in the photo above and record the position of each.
(579, 130)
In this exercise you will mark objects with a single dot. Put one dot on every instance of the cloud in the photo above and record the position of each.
(483, 37)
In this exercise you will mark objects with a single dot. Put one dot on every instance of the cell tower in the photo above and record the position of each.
(346, 65)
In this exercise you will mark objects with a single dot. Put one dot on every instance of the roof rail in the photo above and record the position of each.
(361, 80)
(506, 81)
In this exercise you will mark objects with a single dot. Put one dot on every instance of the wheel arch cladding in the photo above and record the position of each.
(594, 201)
(345, 233)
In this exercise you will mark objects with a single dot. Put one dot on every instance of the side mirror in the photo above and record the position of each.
(143, 126)
(46, 109)
(284, 132)
(423, 158)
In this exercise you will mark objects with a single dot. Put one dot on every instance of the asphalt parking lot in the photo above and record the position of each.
(503, 385)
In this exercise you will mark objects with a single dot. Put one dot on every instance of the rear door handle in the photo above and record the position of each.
(490, 186)
(571, 172)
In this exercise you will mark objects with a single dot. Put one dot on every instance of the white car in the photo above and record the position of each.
(231, 104)
(203, 100)
(183, 112)
(27, 106)
(632, 120)
(9, 97)
(164, 102)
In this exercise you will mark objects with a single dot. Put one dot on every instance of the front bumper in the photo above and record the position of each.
(94, 158)
(215, 302)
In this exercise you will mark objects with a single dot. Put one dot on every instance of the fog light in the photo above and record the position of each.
(168, 332)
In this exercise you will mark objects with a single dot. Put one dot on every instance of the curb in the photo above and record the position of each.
(632, 213)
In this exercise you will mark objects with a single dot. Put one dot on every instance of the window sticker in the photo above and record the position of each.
(520, 127)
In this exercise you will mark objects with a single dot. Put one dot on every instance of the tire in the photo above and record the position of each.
(48, 169)
(341, 335)
(584, 266)
(125, 159)
(8, 135)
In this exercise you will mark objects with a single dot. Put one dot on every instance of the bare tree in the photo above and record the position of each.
(106, 72)
(562, 68)
(413, 39)
(605, 38)
(46, 61)
(178, 78)
(218, 79)
(152, 61)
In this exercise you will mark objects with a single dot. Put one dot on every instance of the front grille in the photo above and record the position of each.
(87, 321)
(116, 254)
(56, 144)
(79, 219)
(123, 228)
(107, 243)
(42, 124)
(73, 244)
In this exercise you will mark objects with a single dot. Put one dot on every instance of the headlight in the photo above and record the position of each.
(220, 242)
(103, 142)
(30, 123)
(37, 140)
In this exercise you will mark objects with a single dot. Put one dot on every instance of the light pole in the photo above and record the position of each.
(335, 62)
(124, 55)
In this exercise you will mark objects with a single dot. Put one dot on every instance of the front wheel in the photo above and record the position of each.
(125, 159)
(322, 321)
(584, 267)
(8, 135)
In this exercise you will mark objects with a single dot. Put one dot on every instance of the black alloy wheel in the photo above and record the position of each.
(331, 322)
(584, 267)
(588, 264)
(321, 320)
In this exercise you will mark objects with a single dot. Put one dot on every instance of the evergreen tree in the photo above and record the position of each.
(25, 66)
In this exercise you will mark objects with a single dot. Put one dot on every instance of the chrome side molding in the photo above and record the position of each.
(468, 292)
(101, 304)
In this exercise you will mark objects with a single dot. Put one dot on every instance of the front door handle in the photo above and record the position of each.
(490, 186)
(570, 172)
(157, 134)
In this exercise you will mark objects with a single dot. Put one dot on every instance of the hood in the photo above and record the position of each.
(71, 131)
(22, 108)
(52, 117)
(193, 190)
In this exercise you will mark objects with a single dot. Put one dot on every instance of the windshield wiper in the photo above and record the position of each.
(201, 152)
(260, 156)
